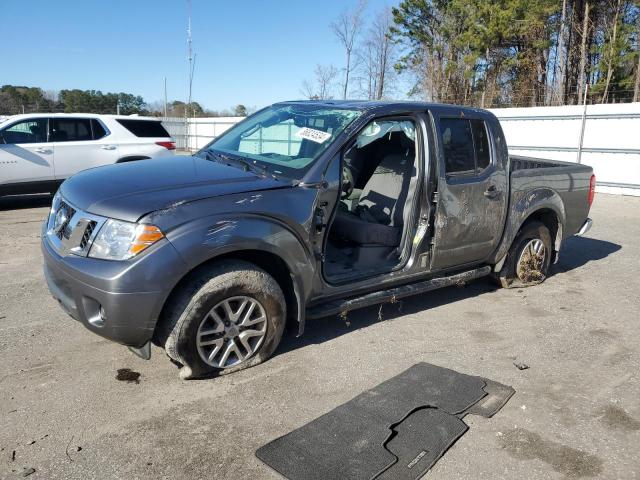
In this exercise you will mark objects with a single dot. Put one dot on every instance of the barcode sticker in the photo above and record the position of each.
(317, 136)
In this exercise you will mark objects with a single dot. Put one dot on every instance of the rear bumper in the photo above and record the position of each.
(586, 226)
(103, 300)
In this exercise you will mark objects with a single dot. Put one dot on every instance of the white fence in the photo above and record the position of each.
(611, 141)
(195, 133)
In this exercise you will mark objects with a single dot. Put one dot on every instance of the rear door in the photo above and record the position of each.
(472, 190)
(80, 143)
(26, 155)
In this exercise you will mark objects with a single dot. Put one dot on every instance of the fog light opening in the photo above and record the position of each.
(98, 318)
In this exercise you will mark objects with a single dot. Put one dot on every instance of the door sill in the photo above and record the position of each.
(389, 295)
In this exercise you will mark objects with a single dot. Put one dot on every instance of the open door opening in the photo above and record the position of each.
(371, 223)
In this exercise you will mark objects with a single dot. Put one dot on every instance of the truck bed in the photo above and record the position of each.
(569, 180)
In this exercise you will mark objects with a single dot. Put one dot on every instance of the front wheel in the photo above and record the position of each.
(227, 318)
(529, 257)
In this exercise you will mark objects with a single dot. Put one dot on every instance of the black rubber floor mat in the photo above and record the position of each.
(397, 429)
(420, 440)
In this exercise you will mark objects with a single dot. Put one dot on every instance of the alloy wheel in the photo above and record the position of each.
(532, 259)
(231, 332)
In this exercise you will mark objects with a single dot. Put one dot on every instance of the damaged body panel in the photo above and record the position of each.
(342, 204)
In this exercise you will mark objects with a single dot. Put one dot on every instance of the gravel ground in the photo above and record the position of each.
(575, 414)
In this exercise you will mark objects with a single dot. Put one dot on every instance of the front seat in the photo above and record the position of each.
(378, 218)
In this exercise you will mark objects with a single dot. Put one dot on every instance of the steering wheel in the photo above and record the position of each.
(347, 182)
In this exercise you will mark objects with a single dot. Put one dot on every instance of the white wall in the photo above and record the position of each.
(203, 130)
(611, 142)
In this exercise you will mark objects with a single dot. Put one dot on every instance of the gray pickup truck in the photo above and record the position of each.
(304, 209)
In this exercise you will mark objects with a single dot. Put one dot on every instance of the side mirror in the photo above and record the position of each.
(2, 140)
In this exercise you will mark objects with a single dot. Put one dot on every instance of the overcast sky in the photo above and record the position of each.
(253, 52)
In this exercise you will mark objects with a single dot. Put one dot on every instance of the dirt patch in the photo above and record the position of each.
(128, 375)
(525, 445)
(485, 336)
(603, 333)
(530, 268)
(618, 419)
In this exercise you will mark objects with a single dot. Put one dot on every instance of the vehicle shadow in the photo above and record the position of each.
(19, 202)
(327, 328)
(576, 252)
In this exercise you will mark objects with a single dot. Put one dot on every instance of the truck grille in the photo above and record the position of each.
(65, 212)
(70, 230)
(86, 236)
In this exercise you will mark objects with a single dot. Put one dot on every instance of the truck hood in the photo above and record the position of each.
(128, 191)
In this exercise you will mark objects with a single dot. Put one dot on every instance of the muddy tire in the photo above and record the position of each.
(228, 317)
(529, 257)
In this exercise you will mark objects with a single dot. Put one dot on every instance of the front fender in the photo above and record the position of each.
(204, 239)
(523, 205)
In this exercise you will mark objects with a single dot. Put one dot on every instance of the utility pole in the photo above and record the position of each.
(191, 60)
(165, 97)
(584, 122)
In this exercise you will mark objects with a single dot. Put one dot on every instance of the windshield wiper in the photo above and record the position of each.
(246, 164)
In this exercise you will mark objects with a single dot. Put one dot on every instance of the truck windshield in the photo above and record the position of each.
(283, 139)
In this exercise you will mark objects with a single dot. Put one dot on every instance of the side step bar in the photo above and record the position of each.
(339, 306)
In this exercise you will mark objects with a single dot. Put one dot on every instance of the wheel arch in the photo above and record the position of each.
(268, 261)
(132, 158)
(543, 205)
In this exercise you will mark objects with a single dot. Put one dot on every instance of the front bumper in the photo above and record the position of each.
(120, 301)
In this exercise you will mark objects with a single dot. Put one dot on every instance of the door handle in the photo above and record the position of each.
(491, 192)
(43, 150)
(108, 147)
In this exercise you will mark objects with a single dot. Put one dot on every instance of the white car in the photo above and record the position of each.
(39, 151)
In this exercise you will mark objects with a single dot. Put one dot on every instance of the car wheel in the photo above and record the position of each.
(529, 257)
(227, 318)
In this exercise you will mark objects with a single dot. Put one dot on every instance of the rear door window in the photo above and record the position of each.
(457, 143)
(98, 129)
(465, 145)
(33, 130)
(71, 129)
(481, 144)
(144, 128)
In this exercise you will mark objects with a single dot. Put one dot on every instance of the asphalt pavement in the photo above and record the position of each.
(76, 406)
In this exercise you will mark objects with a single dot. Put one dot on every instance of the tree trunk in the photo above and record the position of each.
(346, 75)
(583, 50)
(560, 74)
(612, 40)
(636, 90)
(382, 66)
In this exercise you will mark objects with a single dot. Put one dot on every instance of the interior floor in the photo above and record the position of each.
(343, 262)
(368, 230)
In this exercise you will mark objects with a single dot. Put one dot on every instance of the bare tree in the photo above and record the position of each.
(636, 90)
(347, 28)
(382, 48)
(320, 88)
(560, 74)
(582, 73)
(610, 59)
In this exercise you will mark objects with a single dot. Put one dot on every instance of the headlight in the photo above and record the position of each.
(118, 240)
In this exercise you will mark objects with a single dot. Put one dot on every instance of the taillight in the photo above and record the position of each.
(592, 189)
(167, 145)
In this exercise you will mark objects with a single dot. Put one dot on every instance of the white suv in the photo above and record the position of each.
(39, 151)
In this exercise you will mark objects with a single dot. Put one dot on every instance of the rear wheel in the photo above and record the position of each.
(529, 257)
(227, 318)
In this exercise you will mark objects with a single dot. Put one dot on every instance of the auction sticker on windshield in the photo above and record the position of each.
(317, 136)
